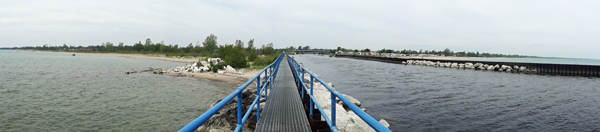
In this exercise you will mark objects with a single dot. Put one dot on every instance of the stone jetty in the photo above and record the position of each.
(474, 66)
(513, 67)
(196, 67)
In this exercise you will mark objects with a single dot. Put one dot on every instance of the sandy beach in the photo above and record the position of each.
(226, 77)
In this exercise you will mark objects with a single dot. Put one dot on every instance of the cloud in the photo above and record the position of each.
(542, 28)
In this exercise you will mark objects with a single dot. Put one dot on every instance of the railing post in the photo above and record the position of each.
(257, 93)
(272, 77)
(270, 82)
(296, 71)
(311, 94)
(303, 89)
(332, 109)
(239, 109)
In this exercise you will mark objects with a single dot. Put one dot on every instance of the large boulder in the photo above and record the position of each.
(468, 64)
(217, 121)
(516, 67)
(229, 69)
(461, 66)
(491, 68)
(504, 67)
(384, 123)
(352, 99)
(454, 65)
(522, 68)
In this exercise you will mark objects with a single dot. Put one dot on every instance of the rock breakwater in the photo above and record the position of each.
(474, 66)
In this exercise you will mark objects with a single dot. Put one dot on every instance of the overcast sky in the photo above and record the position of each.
(541, 28)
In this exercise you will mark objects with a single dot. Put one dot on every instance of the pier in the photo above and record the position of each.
(536, 68)
(290, 104)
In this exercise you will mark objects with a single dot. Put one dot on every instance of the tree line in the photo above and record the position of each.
(237, 55)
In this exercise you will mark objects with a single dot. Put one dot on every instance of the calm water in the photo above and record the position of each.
(60, 92)
(420, 98)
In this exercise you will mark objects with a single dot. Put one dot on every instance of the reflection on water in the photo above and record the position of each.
(60, 92)
(421, 98)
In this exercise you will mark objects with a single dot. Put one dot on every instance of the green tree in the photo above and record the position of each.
(268, 49)
(120, 47)
(239, 44)
(367, 50)
(189, 48)
(210, 43)
(250, 45)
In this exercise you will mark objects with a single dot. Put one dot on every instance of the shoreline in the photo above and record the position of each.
(130, 56)
(226, 77)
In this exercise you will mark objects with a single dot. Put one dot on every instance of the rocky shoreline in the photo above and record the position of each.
(474, 66)
(226, 119)
(346, 119)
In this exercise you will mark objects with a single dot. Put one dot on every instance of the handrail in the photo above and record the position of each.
(273, 68)
(299, 69)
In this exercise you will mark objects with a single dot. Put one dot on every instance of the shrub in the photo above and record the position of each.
(264, 61)
(252, 56)
(234, 56)
(216, 67)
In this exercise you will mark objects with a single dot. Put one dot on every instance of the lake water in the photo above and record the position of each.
(421, 98)
(59, 92)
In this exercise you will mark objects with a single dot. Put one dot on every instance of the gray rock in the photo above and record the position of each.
(384, 123)
(504, 67)
(219, 130)
(491, 68)
(522, 68)
(352, 99)
(454, 65)
(219, 121)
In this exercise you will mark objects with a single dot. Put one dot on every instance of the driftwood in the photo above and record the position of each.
(149, 70)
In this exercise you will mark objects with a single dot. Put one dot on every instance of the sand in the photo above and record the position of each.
(226, 77)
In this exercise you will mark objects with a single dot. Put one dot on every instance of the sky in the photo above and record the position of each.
(540, 28)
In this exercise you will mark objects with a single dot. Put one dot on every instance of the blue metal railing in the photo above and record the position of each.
(299, 72)
(270, 74)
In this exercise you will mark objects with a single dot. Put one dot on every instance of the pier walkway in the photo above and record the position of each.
(283, 111)
(290, 105)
